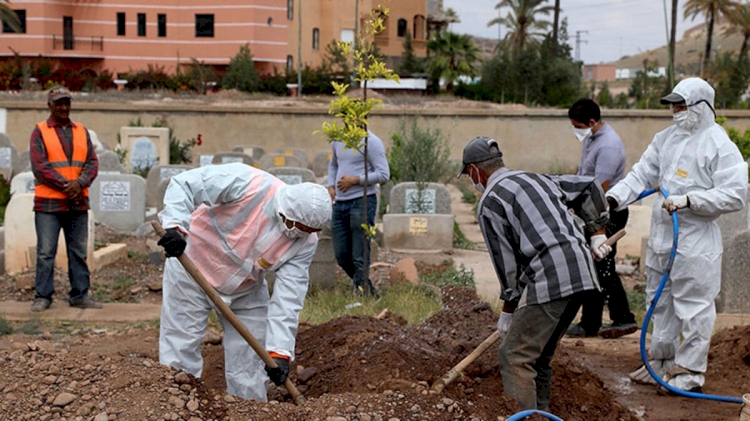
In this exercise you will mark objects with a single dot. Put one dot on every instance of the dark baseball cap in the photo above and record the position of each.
(58, 92)
(672, 98)
(479, 150)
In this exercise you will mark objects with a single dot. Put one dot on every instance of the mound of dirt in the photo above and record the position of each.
(351, 368)
(729, 359)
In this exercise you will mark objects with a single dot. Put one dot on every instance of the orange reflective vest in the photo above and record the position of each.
(69, 170)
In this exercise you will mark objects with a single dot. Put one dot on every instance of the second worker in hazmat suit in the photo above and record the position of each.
(235, 223)
(705, 176)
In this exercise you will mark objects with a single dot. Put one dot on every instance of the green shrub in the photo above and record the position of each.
(4, 198)
(447, 274)
(419, 154)
(241, 74)
(742, 140)
(5, 327)
(459, 239)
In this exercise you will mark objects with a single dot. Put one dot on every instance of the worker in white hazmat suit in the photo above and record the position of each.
(235, 223)
(705, 176)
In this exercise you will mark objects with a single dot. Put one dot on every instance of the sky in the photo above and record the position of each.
(615, 27)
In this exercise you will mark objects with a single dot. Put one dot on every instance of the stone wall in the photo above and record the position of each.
(538, 140)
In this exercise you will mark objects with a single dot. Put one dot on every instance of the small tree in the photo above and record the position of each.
(241, 73)
(353, 113)
(410, 63)
(604, 97)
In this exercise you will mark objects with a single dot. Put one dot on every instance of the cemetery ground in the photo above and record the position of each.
(353, 362)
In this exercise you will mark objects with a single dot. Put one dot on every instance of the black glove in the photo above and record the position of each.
(279, 373)
(173, 243)
(612, 203)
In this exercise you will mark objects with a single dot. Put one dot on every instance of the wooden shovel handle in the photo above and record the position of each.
(615, 237)
(458, 369)
(229, 315)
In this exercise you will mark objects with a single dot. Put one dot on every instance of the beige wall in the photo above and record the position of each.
(535, 140)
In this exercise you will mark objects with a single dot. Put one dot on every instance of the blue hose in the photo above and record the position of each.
(649, 314)
(521, 415)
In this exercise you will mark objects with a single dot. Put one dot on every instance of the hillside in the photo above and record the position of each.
(688, 50)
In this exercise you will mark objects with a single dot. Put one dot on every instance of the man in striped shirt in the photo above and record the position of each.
(542, 261)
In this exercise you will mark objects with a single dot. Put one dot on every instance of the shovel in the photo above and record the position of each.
(458, 369)
(230, 316)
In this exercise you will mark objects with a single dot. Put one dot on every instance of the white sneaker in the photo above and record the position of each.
(642, 376)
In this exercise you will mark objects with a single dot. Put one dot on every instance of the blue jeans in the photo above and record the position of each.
(75, 229)
(348, 238)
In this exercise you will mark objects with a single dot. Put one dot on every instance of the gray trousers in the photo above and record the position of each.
(526, 352)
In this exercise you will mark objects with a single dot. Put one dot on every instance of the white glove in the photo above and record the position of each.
(672, 203)
(503, 323)
(598, 248)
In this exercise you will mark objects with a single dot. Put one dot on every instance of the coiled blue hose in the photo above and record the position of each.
(523, 414)
(650, 312)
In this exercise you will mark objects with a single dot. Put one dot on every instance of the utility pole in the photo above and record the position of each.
(556, 25)
(299, 49)
(578, 43)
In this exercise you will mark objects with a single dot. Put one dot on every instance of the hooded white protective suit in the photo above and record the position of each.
(230, 214)
(698, 160)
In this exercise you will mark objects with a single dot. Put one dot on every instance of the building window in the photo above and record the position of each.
(418, 27)
(121, 24)
(402, 27)
(289, 64)
(290, 9)
(316, 39)
(162, 21)
(21, 14)
(270, 21)
(141, 24)
(204, 26)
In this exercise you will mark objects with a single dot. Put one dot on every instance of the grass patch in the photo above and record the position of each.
(113, 292)
(459, 239)
(137, 255)
(31, 327)
(446, 274)
(5, 327)
(415, 303)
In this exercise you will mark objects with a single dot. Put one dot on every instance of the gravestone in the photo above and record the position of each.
(408, 198)
(20, 237)
(232, 157)
(255, 151)
(119, 201)
(160, 191)
(734, 223)
(293, 175)
(156, 175)
(145, 147)
(323, 266)
(9, 161)
(109, 162)
(320, 162)
(98, 146)
(205, 159)
(735, 295)
(22, 183)
(279, 160)
(301, 154)
(24, 161)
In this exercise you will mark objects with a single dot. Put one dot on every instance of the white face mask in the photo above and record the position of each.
(680, 117)
(478, 185)
(582, 134)
(293, 233)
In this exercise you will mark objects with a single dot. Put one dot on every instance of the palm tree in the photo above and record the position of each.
(452, 56)
(522, 21)
(739, 20)
(451, 16)
(8, 16)
(712, 9)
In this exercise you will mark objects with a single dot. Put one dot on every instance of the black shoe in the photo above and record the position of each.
(40, 304)
(576, 331)
(615, 330)
(87, 302)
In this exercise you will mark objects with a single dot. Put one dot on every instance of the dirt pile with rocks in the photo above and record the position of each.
(351, 368)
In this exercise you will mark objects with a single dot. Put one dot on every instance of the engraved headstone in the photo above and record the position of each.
(301, 154)
(231, 158)
(255, 151)
(9, 162)
(205, 159)
(320, 162)
(119, 201)
(22, 183)
(109, 162)
(143, 155)
(145, 146)
(293, 175)
(411, 198)
(279, 160)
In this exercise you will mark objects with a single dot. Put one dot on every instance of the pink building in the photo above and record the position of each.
(119, 35)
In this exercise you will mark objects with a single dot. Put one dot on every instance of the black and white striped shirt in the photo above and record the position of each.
(538, 252)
